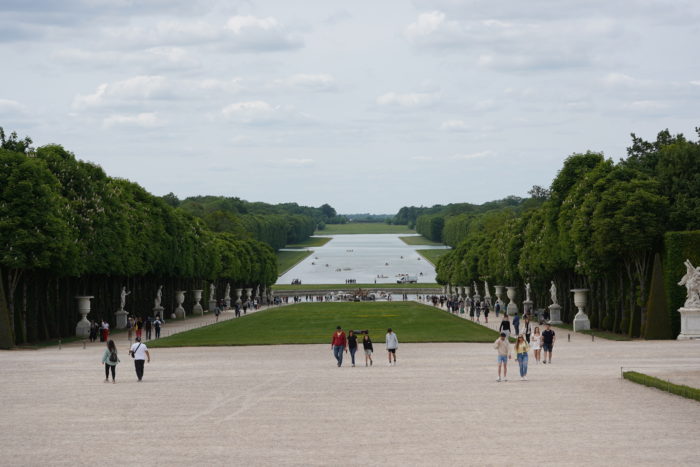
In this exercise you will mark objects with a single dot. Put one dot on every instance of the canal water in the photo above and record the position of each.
(364, 259)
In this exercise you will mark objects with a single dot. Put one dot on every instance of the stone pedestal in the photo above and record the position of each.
(121, 318)
(159, 311)
(228, 303)
(197, 308)
(212, 305)
(527, 307)
(690, 323)
(581, 321)
(82, 329)
(554, 314)
(512, 308)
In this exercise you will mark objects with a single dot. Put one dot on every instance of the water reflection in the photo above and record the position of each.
(365, 259)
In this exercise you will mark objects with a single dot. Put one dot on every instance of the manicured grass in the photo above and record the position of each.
(419, 240)
(314, 323)
(433, 255)
(311, 242)
(286, 260)
(653, 382)
(364, 228)
(322, 287)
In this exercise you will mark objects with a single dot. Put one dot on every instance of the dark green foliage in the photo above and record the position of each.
(658, 322)
(430, 226)
(678, 247)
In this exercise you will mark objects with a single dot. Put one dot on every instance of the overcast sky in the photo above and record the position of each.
(366, 105)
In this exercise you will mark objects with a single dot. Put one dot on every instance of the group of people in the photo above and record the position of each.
(100, 330)
(340, 343)
(138, 325)
(523, 344)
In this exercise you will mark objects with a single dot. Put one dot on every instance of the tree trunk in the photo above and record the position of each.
(7, 336)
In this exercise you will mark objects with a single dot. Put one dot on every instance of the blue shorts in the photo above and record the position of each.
(547, 347)
(502, 359)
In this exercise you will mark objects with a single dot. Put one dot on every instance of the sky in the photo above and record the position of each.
(366, 105)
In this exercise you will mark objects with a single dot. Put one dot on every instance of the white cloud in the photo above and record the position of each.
(455, 125)
(301, 162)
(238, 24)
(407, 100)
(8, 106)
(136, 88)
(312, 82)
(426, 24)
(250, 33)
(254, 113)
(143, 120)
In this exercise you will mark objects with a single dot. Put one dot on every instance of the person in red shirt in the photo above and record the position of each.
(338, 344)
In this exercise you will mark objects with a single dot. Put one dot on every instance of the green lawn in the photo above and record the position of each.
(314, 323)
(420, 240)
(653, 382)
(322, 287)
(433, 255)
(310, 242)
(364, 228)
(286, 260)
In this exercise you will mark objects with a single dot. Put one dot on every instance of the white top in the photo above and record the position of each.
(536, 341)
(139, 354)
(392, 342)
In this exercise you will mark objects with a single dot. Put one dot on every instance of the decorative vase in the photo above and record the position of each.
(581, 321)
(82, 329)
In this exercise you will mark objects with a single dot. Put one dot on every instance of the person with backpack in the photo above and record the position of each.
(369, 348)
(139, 352)
(110, 360)
(157, 323)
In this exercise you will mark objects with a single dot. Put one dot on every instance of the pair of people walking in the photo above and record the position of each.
(521, 349)
(340, 343)
(110, 359)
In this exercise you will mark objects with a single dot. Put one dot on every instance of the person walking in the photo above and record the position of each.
(497, 308)
(93, 331)
(130, 328)
(352, 345)
(505, 325)
(503, 349)
(527, 328)
(486, 312)
(139, 327)
(548, 339)
(110, 360)
(217, 312)
(339, 344)
(516, 323)
(149, 328)
(392, 343)
(156, 325)
(139, 352)
(521, 349)
(104, 331)
(536, 343)
(369, 348)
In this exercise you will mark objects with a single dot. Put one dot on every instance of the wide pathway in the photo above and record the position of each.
(290, 405)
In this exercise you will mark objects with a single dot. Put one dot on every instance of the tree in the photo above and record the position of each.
(13, 143)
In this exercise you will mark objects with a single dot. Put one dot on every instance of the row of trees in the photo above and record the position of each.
(68, 229)
(598, 226)
(277, 225)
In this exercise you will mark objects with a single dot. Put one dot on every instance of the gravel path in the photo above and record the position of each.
(291, 405)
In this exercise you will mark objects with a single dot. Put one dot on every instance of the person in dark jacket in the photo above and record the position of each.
(367, 345)
(505, 325)
(352, 345)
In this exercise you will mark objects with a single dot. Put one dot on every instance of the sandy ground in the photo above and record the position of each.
(291, 405)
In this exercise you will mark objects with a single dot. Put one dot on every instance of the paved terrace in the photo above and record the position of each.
(290, 405)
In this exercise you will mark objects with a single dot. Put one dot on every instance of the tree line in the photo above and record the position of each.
(67, 229)
(599, 225)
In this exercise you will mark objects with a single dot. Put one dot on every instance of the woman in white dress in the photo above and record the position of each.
(536, 343)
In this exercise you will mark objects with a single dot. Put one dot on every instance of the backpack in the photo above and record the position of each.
(113, 357)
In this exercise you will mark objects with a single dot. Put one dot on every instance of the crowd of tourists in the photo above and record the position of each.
(341, 343)
(524, 342)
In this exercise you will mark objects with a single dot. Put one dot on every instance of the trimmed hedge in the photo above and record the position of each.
(658, 320)
(652, 382)
(678, 246)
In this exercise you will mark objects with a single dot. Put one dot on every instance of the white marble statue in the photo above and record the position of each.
(159, 296)
(212, 291)
(691, 281)
(476, 289)
(227, 295)
(527, 292)
(487, 294)
(123, 295)
(553, 294)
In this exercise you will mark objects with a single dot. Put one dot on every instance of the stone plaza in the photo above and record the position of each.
(290, 405)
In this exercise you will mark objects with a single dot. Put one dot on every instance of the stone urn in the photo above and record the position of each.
(499, 292)
(249, 293)
(467, 291)
(239, 294)
(82, 329)
(512, 307)
(581, 321)
(180, 299)
(197, 308)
